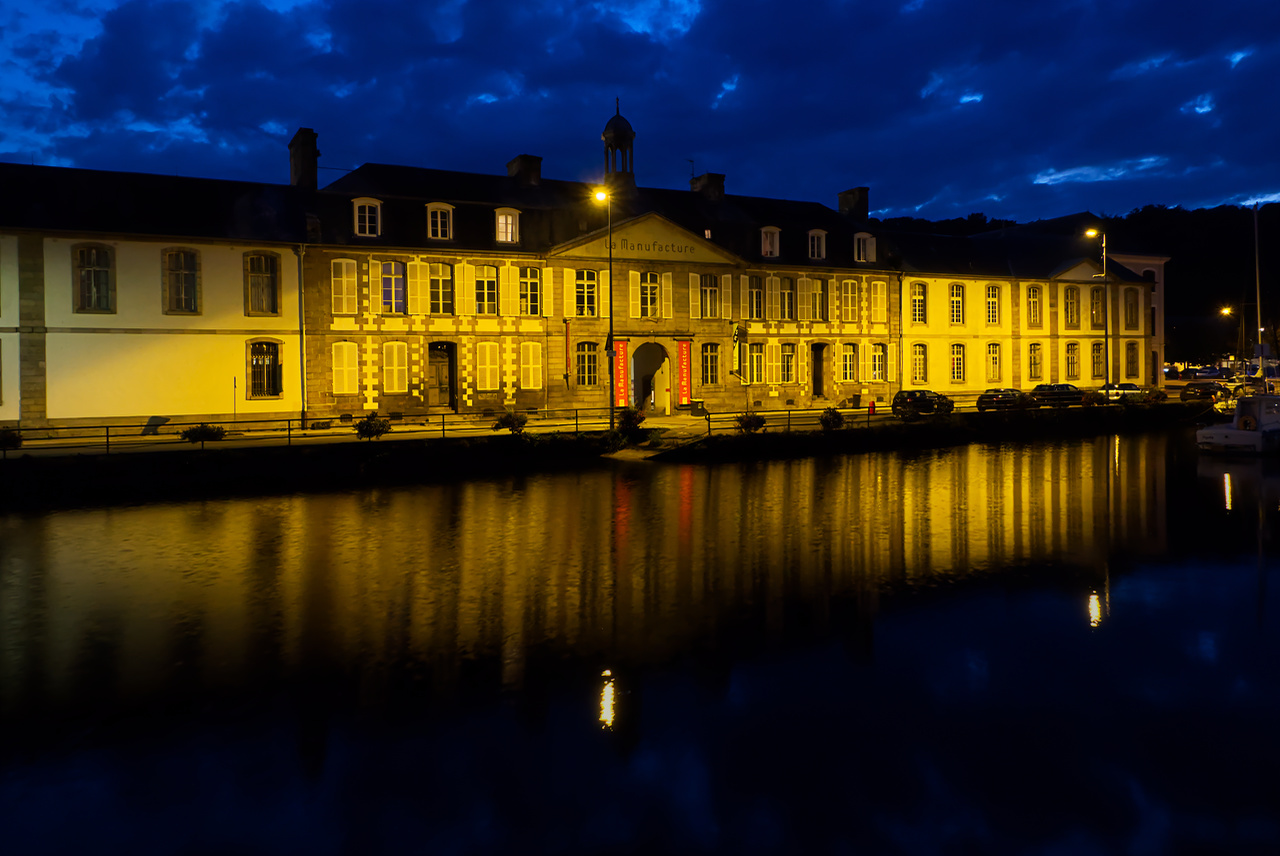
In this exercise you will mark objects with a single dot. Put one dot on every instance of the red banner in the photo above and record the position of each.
(685, 349)
(621, 382)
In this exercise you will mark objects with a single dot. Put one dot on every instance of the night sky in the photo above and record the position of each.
(1018, 109)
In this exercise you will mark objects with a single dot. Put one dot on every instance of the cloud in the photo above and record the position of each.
(1089, 174)
(1199, 104)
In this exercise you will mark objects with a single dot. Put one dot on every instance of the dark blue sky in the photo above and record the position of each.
(1014, 108)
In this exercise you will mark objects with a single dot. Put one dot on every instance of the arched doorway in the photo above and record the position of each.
(651, 385)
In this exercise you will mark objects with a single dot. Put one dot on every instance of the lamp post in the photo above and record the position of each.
(607, 199)
(1106, 306)
(1227, 312)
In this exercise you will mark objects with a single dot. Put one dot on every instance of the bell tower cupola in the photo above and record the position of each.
(619, 155)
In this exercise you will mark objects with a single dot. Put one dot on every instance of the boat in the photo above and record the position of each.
(1254, 428)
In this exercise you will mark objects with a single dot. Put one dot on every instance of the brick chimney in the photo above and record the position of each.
(525, 169)
(710, 185)
(856, 203)
(303, 160)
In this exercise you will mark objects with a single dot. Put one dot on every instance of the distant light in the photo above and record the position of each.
(1226, 490)
(1226, 310)
(607, 700)
(1091, 233)
(601, 196)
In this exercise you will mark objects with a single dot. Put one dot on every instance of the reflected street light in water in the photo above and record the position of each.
(607, 693)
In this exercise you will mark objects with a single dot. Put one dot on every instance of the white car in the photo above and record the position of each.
(1115, 391)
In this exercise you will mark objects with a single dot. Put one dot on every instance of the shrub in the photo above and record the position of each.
(202, 432)
(10, 438)
(1093, 398)
(749, 423)
(512, 420)
(371, 427)
(629, 419)
(655, 438)
(1153, 396)
(831, 419)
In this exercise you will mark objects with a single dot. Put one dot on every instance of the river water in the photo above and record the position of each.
(1044, 648)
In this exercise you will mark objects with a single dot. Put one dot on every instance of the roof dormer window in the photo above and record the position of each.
(439, 221)
(817, 244)
(507, 226)
(769, 241)
(368, 217)
(864, 247)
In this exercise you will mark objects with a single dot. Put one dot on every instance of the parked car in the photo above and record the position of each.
(1057, 394)
(1114, 391)
(1204, 390)
(913, 403)
(1004, 399)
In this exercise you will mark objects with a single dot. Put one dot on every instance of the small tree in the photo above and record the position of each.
(371, 427)
(831, 419)
(750, 423)
(629, 419)
(10, 438)
(512, 420)
(202, 432)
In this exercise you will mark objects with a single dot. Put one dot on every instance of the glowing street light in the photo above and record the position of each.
(607, 199)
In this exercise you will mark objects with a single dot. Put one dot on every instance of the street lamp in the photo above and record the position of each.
(1106, 308)
(607, 199)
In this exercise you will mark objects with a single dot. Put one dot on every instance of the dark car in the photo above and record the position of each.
(1004, 399)
(1057, 394)
(1203, 390)
(912, 403)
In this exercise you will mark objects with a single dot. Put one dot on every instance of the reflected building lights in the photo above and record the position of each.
(1226, 489)
(1095, 610)
(607, 700)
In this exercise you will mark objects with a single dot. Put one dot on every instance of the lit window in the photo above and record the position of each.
(343, 281)
(769, 241)
(957, 363)
(1071, 306)
(394, 296)
(1033, 306)
(395, 367)
(919, 364)
(1073, 361)
(649, 293)
(1033, 361)
(755, 362)
(849, 362)
(486, 291)
(181, 282)
(346, 368)
(787, 299)
(755, 298)
(709, 295)
(368, 217)
(262, 284)
(957, 303)
(507, 225)
(993, 304)
(440, 288)
(1099, 360)
(587, 364)
(487, 366)
(265, 377)
(94, 278)
(879, 361)
(710, 364)
(1097, 308)
(439, 221)
(819, 295)
(919, 307)
(817, 244)
(531, 293)
(788, 374)
(849, 300)
(993, 362)
(585, 295)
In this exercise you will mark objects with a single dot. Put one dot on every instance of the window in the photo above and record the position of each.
(849, 362)
(507, 225)
(957, 363)
(787, 299)
(440, 288)
(531, 365)
(343, 279)
(993, 362)
(265, 377)
(1097, 308)
(1131, 359)
(755, 362)
(587, 363)
(1033, 306)
(879, 302)
(95, 279)
(1033, 361)
(755, 298)
(439, 221)
(181, 282)
(586, 294)
(769, 236)
(709, 296)
(1071, 306)
(346, 368)
(957, 303)
(817, 244)
(879, 361)
(649, 293)
(710, 364)
(368, 217)
(849, 300)
(993, 304)
(487, 366)
(1131, 309)
(486, 290)
(1073, 361)
(531, 294)
(919, 308)
(864, 247)
(262, 283)
(819, 294)
(1099, 360)
(919, 364)
(788, 374)
(395, 367)
(394, 297)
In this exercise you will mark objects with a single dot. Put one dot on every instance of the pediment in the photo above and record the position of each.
(649, 237)
(1079, 271)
